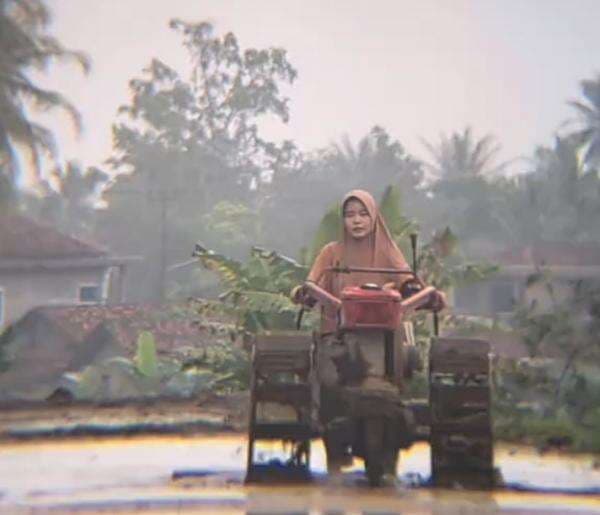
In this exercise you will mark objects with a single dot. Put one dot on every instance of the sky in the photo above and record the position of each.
(418, 68)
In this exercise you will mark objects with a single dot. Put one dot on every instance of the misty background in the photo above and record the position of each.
(144, 127)
(240, 124)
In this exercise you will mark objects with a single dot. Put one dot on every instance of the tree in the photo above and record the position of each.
(257, 290)
(559, 200)
(25, 46)
(67, 199)
(461, 156)
(467, 191)
(183, 145)
(209, 122)
(566, 330)
(8, 194)
(234, 227)
(588, 120)
(297, 196)
(375, 163)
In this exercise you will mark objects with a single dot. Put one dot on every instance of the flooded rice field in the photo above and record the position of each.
(128, 475)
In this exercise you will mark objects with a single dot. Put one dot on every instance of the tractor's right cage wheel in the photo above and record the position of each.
(461, 426)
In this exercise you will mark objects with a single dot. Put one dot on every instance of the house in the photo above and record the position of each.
(49, 341)
(564, 263)
(41, 266)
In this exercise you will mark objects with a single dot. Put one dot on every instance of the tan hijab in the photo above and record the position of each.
(376, 250)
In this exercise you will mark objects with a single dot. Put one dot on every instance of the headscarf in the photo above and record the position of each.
(376, 250)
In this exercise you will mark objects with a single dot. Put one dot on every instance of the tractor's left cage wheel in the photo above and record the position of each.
(281, 378)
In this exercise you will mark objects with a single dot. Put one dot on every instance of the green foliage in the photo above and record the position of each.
(233, 225)
(375, 162)
(557, 398)
(191, 153)
(587, 131)
(85, 384)
(298, 195)
(558, 200)
(566, 328)
(69, 204)
(331, 225)
(460, 155)
(145, 357)
(330, 229)
(25, 46)
(442, 265)
(398, 223)
(120, 377)
(8, 194)
(191, 382)
(391, 210)
(5, 359)
(209, 118)
(258, 289)
(229, 364)
(221, 366)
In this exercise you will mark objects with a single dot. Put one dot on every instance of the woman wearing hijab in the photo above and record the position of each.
(366, 242)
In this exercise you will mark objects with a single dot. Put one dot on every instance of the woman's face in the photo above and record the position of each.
(357, 220)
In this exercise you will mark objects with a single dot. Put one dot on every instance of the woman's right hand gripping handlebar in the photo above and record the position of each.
(300, 295)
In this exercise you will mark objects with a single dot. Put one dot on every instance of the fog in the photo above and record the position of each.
(240, 126)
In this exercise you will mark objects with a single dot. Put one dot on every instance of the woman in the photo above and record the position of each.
(366, 242)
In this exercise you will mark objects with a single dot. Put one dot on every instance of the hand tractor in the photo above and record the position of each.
(366, 412)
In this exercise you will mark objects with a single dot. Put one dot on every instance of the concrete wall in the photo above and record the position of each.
(491, 297)
(24, 290)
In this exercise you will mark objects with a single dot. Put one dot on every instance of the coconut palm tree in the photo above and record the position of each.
(25, 47)
(374, 163)
(460, 155)
(588, 120)
(67, 199)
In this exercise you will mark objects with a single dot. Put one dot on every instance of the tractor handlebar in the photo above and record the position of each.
(413, 302)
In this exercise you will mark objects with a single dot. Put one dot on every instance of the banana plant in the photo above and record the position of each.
(147, 376)
(145, 360)
(258, 289)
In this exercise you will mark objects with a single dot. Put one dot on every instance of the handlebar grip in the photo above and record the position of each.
(322, 296)
(418, 299)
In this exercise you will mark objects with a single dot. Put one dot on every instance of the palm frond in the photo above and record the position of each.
(330, 229)
(228, 270)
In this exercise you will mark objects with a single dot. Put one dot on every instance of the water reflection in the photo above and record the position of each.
(97, 475)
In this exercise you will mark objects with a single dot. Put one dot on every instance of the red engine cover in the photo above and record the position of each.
(370, 309)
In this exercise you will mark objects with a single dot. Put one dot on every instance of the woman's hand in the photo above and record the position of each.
(299, 295)
(438, 301)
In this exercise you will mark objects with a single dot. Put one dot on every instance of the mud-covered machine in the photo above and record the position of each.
(368, 413)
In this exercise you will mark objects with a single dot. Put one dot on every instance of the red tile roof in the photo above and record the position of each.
(551, 254)
(172, 326)
(21, 237)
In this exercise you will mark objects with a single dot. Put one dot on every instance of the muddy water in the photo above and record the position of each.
(132, 474)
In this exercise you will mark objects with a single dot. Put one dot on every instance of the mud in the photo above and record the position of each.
(124, 475)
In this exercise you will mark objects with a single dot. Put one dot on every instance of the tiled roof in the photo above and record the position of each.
(23, 238)
(551, 254)
(172, 326)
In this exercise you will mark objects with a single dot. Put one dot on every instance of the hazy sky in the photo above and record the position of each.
(416, 67)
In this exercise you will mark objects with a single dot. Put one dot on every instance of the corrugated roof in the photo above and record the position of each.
(21, 237)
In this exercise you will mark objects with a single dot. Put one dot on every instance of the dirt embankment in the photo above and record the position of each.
(162, 416)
